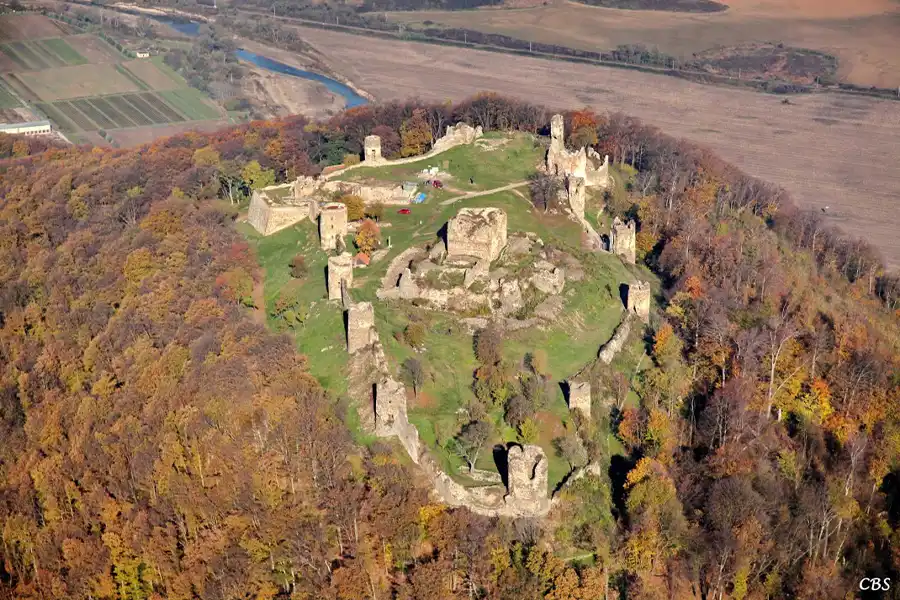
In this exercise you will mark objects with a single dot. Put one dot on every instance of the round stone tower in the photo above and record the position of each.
(372, 149)
(340, 270)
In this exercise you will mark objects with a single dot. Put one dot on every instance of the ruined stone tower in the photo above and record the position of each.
(477, 232)
(360, 327)
(580, 397)
(391, 418)
(527, 478)
(639, 300)
(621, 240)
(372, 149)
(575, 186)
(340, 269)
(557, 133)
(332, 224)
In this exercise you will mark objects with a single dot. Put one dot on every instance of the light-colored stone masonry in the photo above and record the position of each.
(580, 397)
(360, 327)
(372, 150)
(340, 269)
(622, 240)
(477, 232)
(332, 224)
(639, 300)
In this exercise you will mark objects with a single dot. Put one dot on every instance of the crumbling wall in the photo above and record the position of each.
(583, 163)
(360, 326)
(575, 188)
(527, 479)
(340, 269)
(268, 215)
(457, 135)
(580, 397)
(391, 418)
(622, 240)
(371, 194)
(477, 232)
(639, 300)
(332, 224)
(616, 342)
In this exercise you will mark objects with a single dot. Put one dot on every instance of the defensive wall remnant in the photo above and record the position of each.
(580, 397)
(360, 327)
(477, 232)
(638, 302)
(391, 418)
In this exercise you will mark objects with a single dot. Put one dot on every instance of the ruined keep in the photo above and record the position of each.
(391, 418)
(580, 397)
(622, 240)
(477, 232)
(360, 327)
(277, 207)
(639, 300)
(332, 224)
(457, 135)
(527, 469)
(372, 150)
(584, 163)
(340, 270)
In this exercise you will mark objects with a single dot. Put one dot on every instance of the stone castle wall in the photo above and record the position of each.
(477, 232)
(580, 397)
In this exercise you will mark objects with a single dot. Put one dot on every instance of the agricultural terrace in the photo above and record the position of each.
(86, 86)
(591, 306)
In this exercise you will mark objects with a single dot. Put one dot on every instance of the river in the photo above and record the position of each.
(351, 98)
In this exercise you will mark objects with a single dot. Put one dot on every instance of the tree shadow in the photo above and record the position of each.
(619, 467)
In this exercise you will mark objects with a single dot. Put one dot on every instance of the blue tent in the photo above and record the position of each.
(419, 199)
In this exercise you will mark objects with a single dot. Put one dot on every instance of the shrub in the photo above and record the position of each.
(375, 211)
(369, 237)
(350, 159)
(356, 208)
(299, 269)
(414, 334)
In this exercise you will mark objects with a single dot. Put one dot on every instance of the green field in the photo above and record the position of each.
(111, 112)
(7, 100)
(63, 50)
(190, 102)
(592, 306)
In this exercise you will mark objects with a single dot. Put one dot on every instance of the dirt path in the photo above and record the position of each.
(504, 188)
(825, 149)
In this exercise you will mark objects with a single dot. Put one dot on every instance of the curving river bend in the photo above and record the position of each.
(351, 98)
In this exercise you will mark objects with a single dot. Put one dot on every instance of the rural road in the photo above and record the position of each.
(829, 150)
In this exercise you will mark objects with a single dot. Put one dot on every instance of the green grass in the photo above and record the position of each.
(63, 50)
(7, 100)
(489, 168)
(132, 77)
(170, 73)
(191, 103)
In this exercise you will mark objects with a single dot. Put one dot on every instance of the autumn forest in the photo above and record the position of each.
(157, 441)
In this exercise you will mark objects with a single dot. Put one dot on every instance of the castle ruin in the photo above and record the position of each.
(372, 150)
(580, 397)
(332, 224)
(477, 232)
(277, 207)
(622, 240)
(584, 163)
(340, 271)
(457, 135)
(575, 191)
(639, 300)
(360, 327)
(527, 478)
(391, 418)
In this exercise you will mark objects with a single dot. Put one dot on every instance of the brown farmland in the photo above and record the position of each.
(29, 27)
(826, 149)
(862, 34)
(77, 81)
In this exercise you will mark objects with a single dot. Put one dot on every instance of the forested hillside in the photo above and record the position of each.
(157, 442)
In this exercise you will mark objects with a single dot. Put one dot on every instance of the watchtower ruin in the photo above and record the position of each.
(584, 163)
(639, 300)
(372, 149)
(340, 270)
(527, 477)
(580, 397)
(477, 232)
(360, 327)
(332, 224)
(622, 240)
